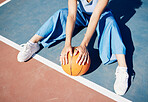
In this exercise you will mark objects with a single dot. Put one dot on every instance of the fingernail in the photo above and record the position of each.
(87, 62)
(79, 63)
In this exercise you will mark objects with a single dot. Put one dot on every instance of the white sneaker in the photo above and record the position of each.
(27, 51)
(121, 83)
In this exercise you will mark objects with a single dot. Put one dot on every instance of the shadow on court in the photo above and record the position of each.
(123, 11)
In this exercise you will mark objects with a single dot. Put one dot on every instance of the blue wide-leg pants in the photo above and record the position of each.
(109, 37)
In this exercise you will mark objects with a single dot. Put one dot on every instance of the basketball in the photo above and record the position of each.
(74, 69)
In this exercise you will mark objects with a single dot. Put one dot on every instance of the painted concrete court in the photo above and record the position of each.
(19, 20)
(36, 82)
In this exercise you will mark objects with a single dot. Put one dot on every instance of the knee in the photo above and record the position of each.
(107, 22)
(110, 20)
(63, 10)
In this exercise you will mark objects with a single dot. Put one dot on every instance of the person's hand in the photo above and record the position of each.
(64, 54)
(83, 55)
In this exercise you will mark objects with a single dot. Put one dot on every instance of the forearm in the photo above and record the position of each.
(71, 18)
(94, 21)
(69, 29)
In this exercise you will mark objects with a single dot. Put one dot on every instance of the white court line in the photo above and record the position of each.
(79, 79)
(3, 3)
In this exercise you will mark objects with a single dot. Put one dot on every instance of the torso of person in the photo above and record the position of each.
(87, 6)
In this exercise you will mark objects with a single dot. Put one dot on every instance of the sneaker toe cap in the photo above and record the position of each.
(119, 90)
(21, 58)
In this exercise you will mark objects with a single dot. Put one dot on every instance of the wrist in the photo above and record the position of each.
(84, 44)
(67, 43)
(86, 40)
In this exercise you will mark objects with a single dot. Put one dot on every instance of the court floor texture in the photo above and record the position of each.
(41, 79)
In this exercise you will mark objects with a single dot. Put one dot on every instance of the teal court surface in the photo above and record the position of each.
(41, 79)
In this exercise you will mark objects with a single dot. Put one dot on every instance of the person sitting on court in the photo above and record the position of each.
(94, 15)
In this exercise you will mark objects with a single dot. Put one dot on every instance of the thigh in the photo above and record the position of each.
(105, 23)
(54, 29)
(109, 38)
(55, 23)
(82, 19)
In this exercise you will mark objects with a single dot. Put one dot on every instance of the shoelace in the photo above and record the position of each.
(25, 47)
(122, 76)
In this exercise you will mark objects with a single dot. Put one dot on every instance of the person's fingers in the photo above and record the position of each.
(85, 59)
(70, 51)
(79, 58)
(62, 57)
(88, 58)
(66, 55)
(82, 59)
(76, 52)
(66, 58)
(63, 61)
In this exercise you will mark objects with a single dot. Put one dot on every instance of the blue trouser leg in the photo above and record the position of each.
(54, 28)
(110, 41)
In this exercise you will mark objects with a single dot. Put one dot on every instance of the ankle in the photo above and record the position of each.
(36, 38)
(122, 65)
(31, 42)
(123, 68)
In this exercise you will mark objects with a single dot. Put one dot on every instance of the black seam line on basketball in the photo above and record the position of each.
(80, 70)
(71, 64)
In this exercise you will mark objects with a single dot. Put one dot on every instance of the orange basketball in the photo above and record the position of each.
(74, 69)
